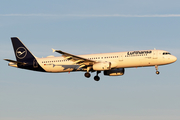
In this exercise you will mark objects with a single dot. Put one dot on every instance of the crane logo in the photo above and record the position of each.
(21, 52)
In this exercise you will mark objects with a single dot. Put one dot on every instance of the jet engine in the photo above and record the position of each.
(114, 72)
(101, 66)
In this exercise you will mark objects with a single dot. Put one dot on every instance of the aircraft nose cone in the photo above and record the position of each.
(174, 58)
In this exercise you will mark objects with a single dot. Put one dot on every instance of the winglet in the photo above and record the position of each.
(53, 50)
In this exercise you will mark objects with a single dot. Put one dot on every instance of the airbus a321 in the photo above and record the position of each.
(112, 64)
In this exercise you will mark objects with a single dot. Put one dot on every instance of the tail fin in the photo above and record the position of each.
(25, 59)
(21, 52)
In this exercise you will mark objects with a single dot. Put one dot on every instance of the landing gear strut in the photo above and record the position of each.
(157, 72)
(87, 74)
(97, 78)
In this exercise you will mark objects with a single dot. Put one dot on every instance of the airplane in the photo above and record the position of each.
(112, 64)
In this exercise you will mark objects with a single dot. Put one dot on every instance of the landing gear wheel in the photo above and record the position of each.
(96, 78)
(87, 75)
(157, 72)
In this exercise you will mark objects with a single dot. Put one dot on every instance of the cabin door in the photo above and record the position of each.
(120, 57)
(155, 54)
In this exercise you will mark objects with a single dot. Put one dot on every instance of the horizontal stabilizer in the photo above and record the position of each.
(23, 63)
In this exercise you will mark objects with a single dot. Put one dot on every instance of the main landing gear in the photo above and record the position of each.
(96, 78)
(157, 72)
(87, 74)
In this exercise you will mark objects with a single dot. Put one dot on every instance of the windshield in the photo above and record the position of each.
(166, 53)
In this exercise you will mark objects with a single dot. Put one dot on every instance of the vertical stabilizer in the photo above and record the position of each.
(20, 50)
(25, 59)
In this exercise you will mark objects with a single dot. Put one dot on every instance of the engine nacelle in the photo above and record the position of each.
(114, 72)
(102, 66)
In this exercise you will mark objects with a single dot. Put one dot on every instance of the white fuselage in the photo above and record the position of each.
(118, 59)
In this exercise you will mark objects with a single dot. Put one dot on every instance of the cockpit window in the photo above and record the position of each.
(166, 53)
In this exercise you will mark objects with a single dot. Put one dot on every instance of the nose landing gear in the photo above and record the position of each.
(157, 72)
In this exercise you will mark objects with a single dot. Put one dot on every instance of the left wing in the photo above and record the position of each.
(76, 59)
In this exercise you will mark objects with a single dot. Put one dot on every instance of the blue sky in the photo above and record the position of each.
(84, 27)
